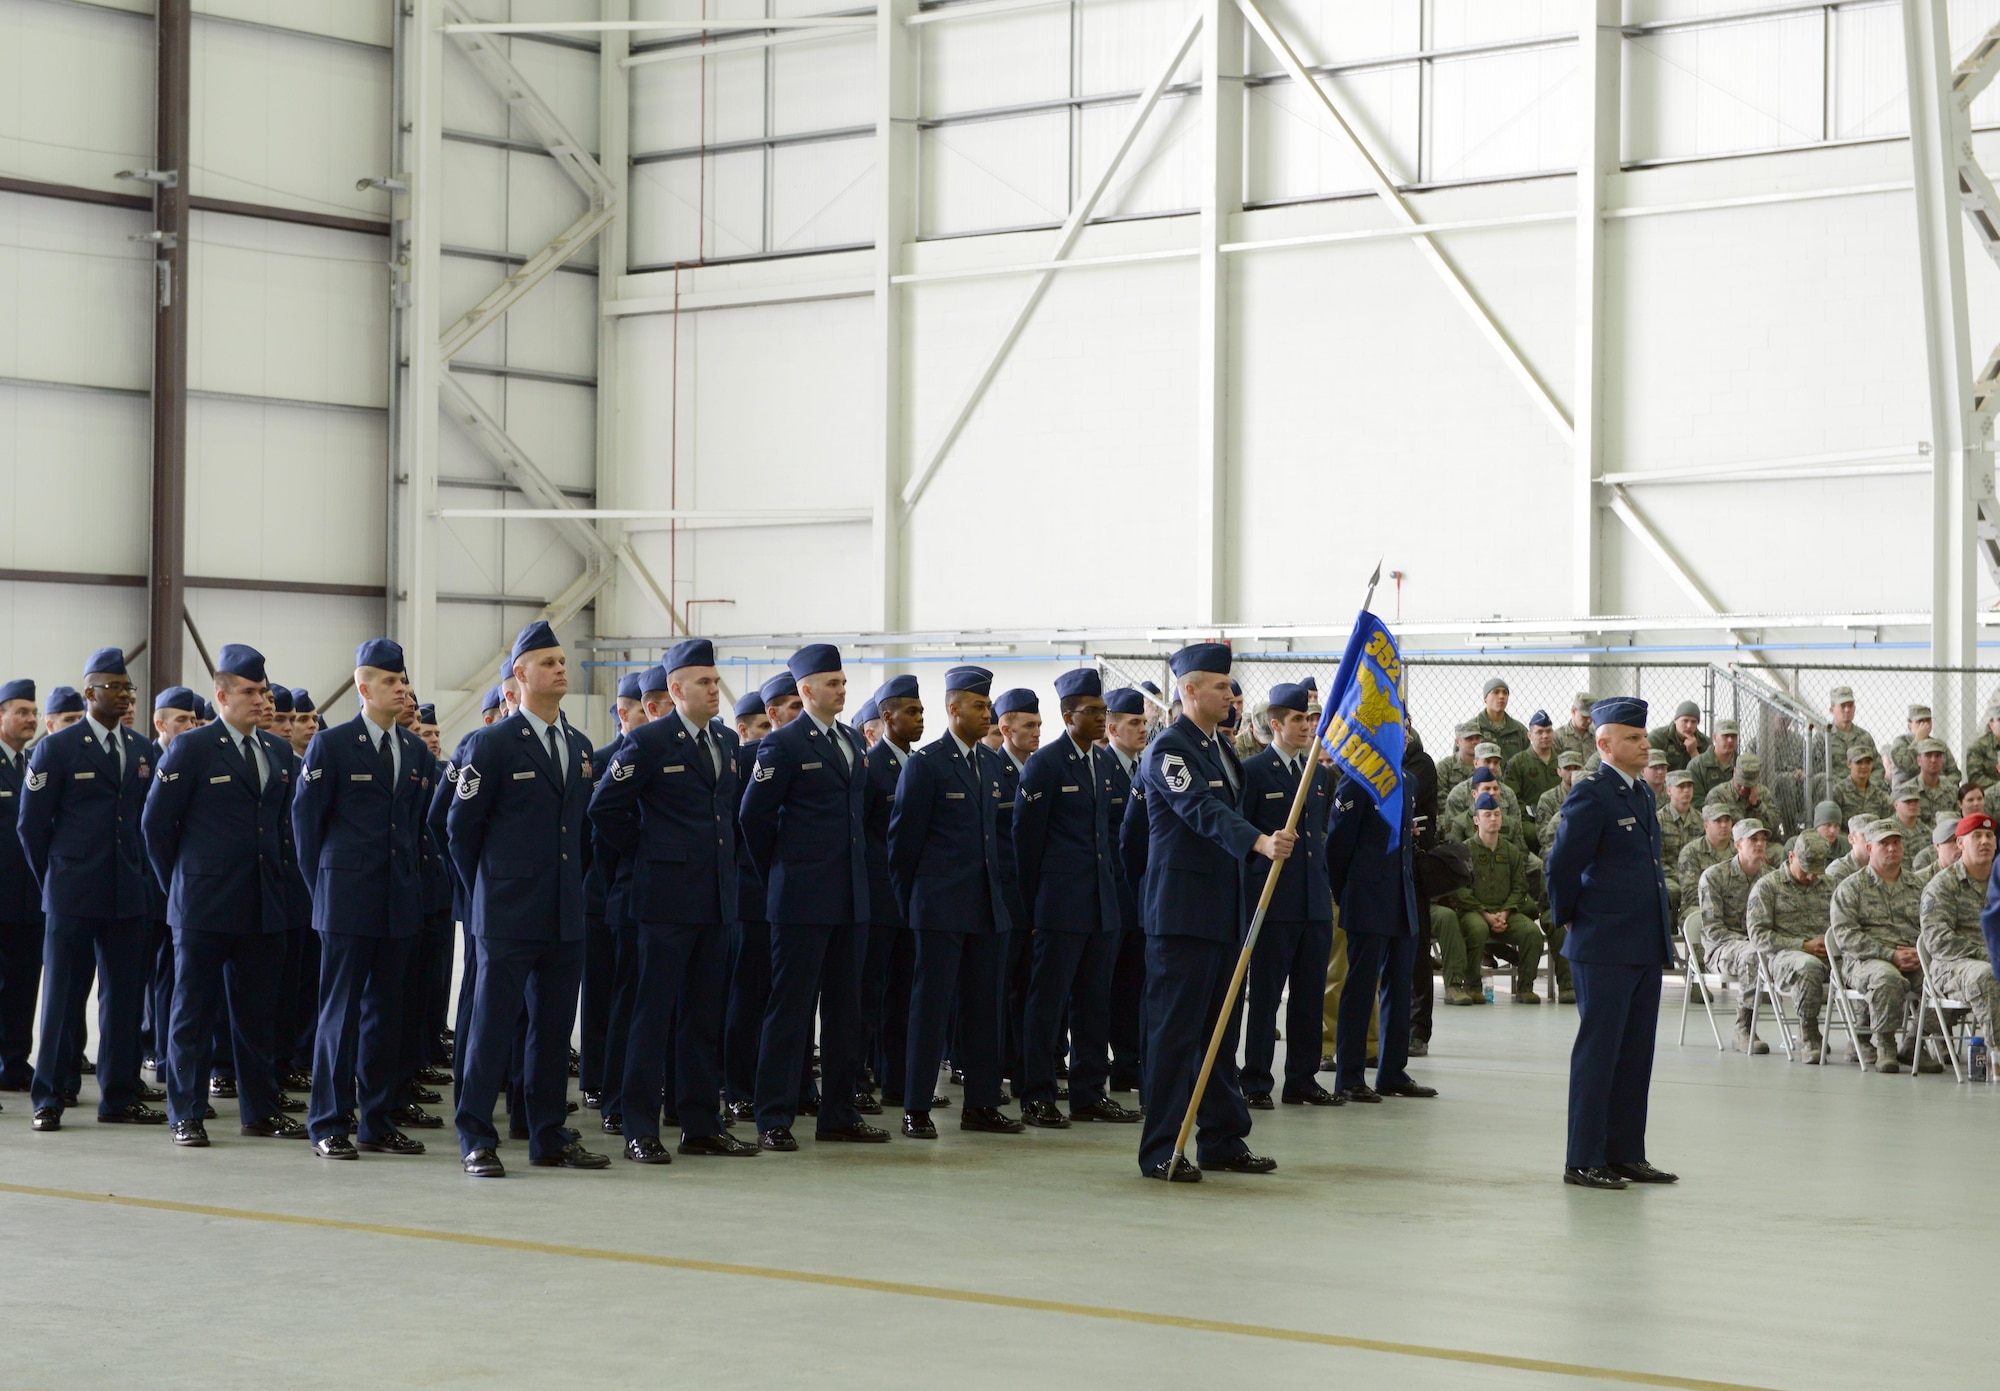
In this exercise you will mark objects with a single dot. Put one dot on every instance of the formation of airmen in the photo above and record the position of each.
(781, 913)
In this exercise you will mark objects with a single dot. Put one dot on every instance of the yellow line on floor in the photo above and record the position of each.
(1100, 1312)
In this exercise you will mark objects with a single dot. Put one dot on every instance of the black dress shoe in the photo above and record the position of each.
(1044, 1115)
(135, 1114)
(1319, 1096)
(295, 1082)
(433, 1077)
(570, 1108)
(483, 1164)
(990, 1120)
(517, 1131)
(1259, 1101)
(866, 1104)
(1180, 1170)
(48, 1118)
(1245, 1163)
(917, 1126)
(859, 1133)
(958, 1077)
(809, 1107)
(740, 1113)
(191, 1135)
(647, 1149)
(593, 1101)
(335, 1147)
(69, 1099)
(207, 1111)
(394, 1142)
(288, 1107)
(1642, 1172)
(778, 1138)
(723, 1146)
(89, 1068)
(1360, 1091)
(223, 1087)
(572, 1156)
(1597, 1176)
(423, 1096)
(417, 1118)
(613, 1124)
(575, 1062)
(1408, 1088)
(1105, 1110)
(150, 1093)
(276, 1128)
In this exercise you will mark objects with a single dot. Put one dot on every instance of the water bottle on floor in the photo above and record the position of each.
(1976, 1064)
(1489, 992)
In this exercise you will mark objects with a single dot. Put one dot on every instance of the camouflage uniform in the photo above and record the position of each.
(1747, 800)
(1549, 818)
(1697, 857)
(1677, 828)
(1935, 801)
(1709, 772)
(1869, 919)
(1948, 924)
(1499, 884)
(1903, 759)
(1782, 915)
(1724, 890)
(1530, 777)
(1980, 758)
(1840, 741)
(1451, 772)
(1456, 819)
(1509, 733)
(1667, 740)
(1581, 742)
(1839, 869)
(1872, 800)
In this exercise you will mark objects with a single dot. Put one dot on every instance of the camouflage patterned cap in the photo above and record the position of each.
(1840, 695)
(1468, 730)
(1749, 769)
(1812, 852)
(1858, 825)
(1857, 752)
(1718, 809)
(1826, 814)
(1887, 827)
(1749, 826)
(1657, 759)
(1929, 746)
(1569, 758)
(1919, 712)
(1485, 751)
(1910, 791)
(1726, 727)
(1677, 778)
(1584, 700)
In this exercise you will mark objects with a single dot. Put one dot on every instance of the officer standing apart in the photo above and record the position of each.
(1192, 903)
(517, 836)
(944, 859)
(667, 803)
(1608, 891)
(358, 817)
(80, 826)
(215, 828)
(802, 821)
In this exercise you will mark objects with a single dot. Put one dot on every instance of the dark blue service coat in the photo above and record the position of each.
(662, 806)
(80, 823)
(803, 824)
(217, 841)
(521, 849)
(360, 840)
(1064, 843)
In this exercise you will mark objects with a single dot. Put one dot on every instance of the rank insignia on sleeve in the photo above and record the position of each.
(468, 782)
(762, 774)
(620, 771)
(1174, 773)
(37, 781)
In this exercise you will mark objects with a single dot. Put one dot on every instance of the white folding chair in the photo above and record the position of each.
(1952, 1028)
(1765, 987)
(1845, 1003)
(1698, 978)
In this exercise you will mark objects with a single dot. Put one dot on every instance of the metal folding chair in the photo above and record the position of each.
(1766, 987)
(1698, 978)
(1952, 1029)
(1846, 1002)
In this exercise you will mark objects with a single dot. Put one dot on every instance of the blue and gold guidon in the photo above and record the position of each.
(1362, 726)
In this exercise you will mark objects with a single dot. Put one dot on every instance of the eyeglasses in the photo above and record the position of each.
(113, 687)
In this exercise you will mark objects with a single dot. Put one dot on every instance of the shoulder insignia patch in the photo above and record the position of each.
(37, 781)
(169, 777)
(762, 773)
(620, 771)
(1174, 773)
(468, 782)
(312, 774)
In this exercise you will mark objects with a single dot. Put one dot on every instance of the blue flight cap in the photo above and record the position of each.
(20, 688)
(1287, 696)
(1150, 687)
(1201, 656)
(896, 688)
(695, 652)
(1619, 710)
(653, 678)
(977, 680)
(1125, 701)
(1019, 701)
(1482, 775)
(281, 698)
(866, 713)
(239, 660)
(1230, 720)
(778, 687)
(492, 701)
(427, 714)
(1310, 685)
(208, 711)
(175, 698)
(1080, 681)
(301, 702)
(105, 661)
(507, 668)
(812, 659)
(751, 703)
(380, 653)
(1486, 802)
(629, 687)
(64, 700)
(1541, 718)
(533, 638)
(1235, 688)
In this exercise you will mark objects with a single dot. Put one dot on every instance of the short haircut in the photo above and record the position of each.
(1070, 704)
(895, 703)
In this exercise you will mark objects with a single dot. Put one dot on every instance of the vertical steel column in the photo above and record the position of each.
(1962, 464)
(1599, 53)
(614, 127)
(423, 108)
(895, 228)
(1221, 50)
(167, 571)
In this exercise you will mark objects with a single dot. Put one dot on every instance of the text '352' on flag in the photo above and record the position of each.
(1362, 726)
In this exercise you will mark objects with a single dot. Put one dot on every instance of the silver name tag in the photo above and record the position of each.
(223, 778)
(1070, 789)
(1268, 796)
(520, 776)
(1215, 782)
(808, 767)
(1628, 821)
(361, 777)
(84, 777)
(674, 768)
(955, 796)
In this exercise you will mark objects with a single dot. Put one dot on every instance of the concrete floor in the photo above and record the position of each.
(1831, 1230)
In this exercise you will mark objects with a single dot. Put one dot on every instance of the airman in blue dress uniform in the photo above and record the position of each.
(20, 896)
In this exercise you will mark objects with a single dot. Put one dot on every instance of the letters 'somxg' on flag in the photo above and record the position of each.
(1362, 724)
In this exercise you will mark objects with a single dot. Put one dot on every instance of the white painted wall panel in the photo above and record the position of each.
(993, 174)
(555, 328)
(688, 209)
(678, 105)
(48, 631)
(1343, 31)
(541, 202)
(823, 85)
(1456, 23)
(823, 194)
(74, 479)
(76, 93)
(565, 78)
(283, 310)
(1162, 173)
(286, 493)
(288, 120)
(1294, 150)
(1122, 43)
(1749, 86)
(307, 639)
(360, 21)
(75, 293)
(469, 104)
(474, 205)
(557, 425)
(976, 64)
(1508, 113)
